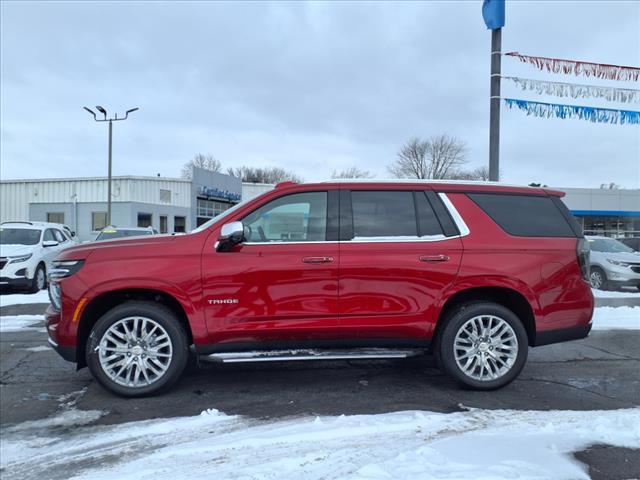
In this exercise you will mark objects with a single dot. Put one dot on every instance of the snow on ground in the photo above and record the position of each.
(19, 298)
(472, 444)
(616, 318)
(21, 323)
(616, 294)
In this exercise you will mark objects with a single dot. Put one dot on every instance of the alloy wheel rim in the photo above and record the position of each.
(485, 348)
(596, 280)
(135, 352)
(40, 279)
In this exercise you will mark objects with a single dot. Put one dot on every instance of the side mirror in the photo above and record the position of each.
(231, 234)
(73, 234)
(50, 243)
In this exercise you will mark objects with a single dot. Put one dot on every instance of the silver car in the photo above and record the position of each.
(613, 264)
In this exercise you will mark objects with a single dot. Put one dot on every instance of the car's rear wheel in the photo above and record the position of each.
(137, 348)
(598, 278)
(39, 281)
(483, 346)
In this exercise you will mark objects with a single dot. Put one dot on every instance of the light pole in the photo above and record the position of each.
(110, 120)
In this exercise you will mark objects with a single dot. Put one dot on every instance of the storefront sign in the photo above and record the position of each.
(212, 192)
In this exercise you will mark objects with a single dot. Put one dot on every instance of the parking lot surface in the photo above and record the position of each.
(600, 372)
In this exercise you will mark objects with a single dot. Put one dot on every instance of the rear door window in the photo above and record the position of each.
(524, 215)
(379, 215)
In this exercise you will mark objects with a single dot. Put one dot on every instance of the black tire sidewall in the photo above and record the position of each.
(456, 320)
(157, 312)
(604, 285)
(34, 284)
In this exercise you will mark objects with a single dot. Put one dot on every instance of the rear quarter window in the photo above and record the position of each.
(524, 215)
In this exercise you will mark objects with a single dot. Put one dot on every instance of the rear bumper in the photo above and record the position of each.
(562, 335)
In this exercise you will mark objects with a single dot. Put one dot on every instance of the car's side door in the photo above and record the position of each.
(281, 283)
(399, 251)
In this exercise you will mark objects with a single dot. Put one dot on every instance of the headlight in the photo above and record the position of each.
(55, 295)
(616, 262)
(20, 258)
(64, 268)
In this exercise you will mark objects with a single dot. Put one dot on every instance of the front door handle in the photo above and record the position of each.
(434, 258)
(317, 259)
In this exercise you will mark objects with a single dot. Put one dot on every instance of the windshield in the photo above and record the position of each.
(19, 236)
(608, 245)
(109, 234)
(224, 214)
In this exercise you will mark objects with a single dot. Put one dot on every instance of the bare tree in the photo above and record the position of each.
(477, 174)
(438, 157)
(207, 162)
(352, 172)
(412, 160)
(263, 174)
(609, 186)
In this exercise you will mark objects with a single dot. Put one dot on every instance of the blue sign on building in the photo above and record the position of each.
(212, 192)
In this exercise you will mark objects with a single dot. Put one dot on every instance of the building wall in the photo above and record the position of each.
(123, 214)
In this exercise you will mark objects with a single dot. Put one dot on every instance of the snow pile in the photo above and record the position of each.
(18, 298)
(404, 445)
(612, 294)
(616, 318)
(21, 323)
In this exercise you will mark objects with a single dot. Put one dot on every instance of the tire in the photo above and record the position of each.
(598, 279)
(510, 334)
(39, 281)
(141, 371)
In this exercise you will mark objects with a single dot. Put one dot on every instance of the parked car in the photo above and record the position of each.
(633, 242)
(111, 232)
(613, 264)
(26, 252)
(475, 273)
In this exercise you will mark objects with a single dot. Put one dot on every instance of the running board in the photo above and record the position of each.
(309, 354)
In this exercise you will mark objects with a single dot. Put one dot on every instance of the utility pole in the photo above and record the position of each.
(494, 105)
(110, 120)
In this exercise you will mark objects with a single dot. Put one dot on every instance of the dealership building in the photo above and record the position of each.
(172, 205)
(169, 205)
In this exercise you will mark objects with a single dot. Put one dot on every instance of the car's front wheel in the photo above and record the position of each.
(483, 346)
(137, 348)
(598, 278)
(39, 281)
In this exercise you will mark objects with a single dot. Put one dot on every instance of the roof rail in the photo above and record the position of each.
(27, 223)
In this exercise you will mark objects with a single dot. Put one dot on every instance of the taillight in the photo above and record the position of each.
(583, 253)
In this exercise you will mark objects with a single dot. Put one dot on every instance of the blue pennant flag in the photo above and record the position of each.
(493, 13)
(591, 114)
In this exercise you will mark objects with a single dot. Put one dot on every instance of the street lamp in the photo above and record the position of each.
(103, 111)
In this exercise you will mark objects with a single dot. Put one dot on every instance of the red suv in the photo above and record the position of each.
(475, 273)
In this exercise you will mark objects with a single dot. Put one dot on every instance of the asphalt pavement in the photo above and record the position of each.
(599, 372)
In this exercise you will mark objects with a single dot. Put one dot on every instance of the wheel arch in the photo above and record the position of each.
(103, 302)
(505, 296)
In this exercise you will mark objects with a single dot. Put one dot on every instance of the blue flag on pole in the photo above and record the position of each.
(493, 13)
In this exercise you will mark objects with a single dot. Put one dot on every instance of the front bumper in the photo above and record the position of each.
(52, 320)
(622, 276)
(18, 282)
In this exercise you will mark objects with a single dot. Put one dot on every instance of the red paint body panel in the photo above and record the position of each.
(378, 290)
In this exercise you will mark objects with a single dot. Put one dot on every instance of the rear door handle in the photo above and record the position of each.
(317, 259)
(434, 258)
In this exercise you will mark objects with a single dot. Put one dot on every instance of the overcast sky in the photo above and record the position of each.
(310, 87)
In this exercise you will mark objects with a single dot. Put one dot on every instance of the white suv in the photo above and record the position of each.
(26, 252)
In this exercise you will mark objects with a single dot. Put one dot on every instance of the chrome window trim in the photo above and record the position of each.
(455, 215)
(457, 218)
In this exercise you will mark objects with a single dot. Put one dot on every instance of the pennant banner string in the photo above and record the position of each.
(592, 114)
(579, 68)
(561, 89)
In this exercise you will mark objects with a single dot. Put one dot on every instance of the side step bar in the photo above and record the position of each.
(310, 354)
